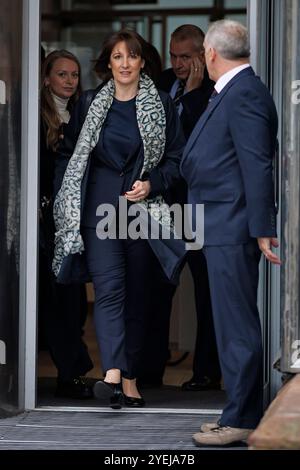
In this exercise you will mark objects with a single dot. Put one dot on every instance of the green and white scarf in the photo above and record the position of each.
(151, 120)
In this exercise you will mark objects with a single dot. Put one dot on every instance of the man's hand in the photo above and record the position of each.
(140, 191)
(265, 244)
(196, 74)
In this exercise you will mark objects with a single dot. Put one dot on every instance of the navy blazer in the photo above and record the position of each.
(193, 102)
(227, 162)
(111, 183)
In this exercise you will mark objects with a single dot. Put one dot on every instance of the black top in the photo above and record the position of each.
(120, 137)
(47, 164)
(47, 161)
(116, 151)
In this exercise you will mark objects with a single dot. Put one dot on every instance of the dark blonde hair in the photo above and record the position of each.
(135, 43)
(49, 114)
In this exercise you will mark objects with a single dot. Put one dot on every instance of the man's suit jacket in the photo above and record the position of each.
(194, 102)
(227, 162)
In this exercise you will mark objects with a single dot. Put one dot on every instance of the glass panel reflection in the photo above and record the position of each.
(10, 166)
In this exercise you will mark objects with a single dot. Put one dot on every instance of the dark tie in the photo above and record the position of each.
(179, 93)
(213, 95)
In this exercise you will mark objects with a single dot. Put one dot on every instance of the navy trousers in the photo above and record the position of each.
(121, 273)
(233, 280)
(206, 362)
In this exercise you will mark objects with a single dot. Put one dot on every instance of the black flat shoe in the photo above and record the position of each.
(205, 383)
(134, 402)
(109, 391)
(74, 388)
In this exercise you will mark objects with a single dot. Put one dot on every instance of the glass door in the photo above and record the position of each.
(266, 38)
(10, 201)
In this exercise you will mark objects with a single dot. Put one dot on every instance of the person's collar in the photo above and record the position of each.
(61, 107)
(178, 81)
(226, 77)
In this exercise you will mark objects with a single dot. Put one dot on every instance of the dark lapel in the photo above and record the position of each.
(211, 107)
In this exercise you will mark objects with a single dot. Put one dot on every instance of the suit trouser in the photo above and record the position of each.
(206, 361)
(155, 351)
(233, 280)
(121, 273)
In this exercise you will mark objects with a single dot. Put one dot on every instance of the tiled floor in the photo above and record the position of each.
(169, 398)
(73, 430)
(168, 421)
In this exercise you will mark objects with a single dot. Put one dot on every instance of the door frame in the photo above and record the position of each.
(29, 204)
(265, 30)
(269, 284)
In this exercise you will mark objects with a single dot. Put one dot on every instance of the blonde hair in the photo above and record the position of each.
(49, 114)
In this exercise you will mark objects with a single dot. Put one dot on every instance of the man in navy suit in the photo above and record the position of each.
(187, 81)
(227, 164)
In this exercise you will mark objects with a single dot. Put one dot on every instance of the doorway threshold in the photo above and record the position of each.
(102, 409)
(165, 399)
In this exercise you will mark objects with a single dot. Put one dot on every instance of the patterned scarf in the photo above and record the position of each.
(151, 120)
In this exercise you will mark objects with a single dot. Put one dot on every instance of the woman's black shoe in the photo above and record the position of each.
(109, 391)
(134, 402)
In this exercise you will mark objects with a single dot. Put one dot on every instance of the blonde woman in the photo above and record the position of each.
(62, 308)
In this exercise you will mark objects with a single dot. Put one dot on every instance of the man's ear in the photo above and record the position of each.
(213, 53)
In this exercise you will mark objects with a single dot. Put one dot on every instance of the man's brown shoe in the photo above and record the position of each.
(206, 427)
(221, 436)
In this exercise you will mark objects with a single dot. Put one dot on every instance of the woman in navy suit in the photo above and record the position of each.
(123, 139)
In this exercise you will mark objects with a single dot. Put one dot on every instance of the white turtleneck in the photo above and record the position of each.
(61, 107)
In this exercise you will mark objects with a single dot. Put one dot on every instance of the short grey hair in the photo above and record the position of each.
(229, 38)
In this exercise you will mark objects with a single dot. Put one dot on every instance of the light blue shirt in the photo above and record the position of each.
(172, 93)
